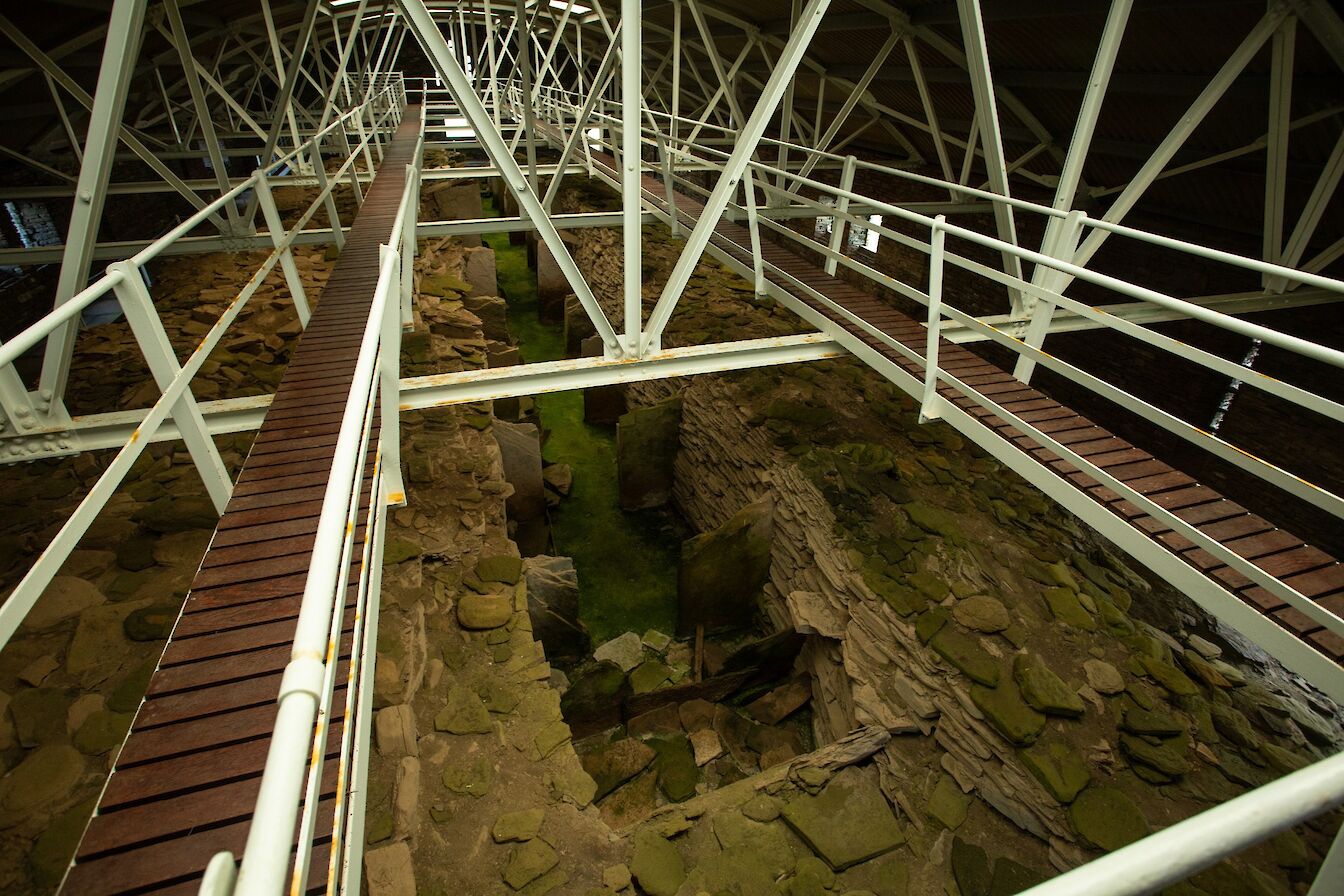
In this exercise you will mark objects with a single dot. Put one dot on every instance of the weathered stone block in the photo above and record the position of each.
(479, 272)
(723, 571)
(646, 447)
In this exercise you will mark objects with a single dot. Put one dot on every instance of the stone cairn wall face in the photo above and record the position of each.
(474, 783)
(1045, 700)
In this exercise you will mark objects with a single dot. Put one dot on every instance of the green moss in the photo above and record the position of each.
(627, 562)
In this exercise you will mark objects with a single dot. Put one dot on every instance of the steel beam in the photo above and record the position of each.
(446, 389)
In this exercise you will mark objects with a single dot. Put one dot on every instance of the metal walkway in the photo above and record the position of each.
(186, 781)
(1283, 555)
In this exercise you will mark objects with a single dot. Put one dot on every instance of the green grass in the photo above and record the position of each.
(627, 562)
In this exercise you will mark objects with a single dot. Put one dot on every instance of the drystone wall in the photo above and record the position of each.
(1046, 700)
(474, 784)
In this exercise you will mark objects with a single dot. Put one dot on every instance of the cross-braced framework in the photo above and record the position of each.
(917, 124)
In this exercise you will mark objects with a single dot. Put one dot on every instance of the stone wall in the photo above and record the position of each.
(953, 605)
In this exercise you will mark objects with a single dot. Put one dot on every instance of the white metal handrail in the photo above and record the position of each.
(934, 374)
(290, 784)
(125, 279)
(1311, 401)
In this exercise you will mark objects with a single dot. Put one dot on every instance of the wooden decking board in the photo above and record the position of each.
(1304, 568)
(186, 780)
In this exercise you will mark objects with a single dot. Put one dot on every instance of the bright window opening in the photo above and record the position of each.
(870, 243)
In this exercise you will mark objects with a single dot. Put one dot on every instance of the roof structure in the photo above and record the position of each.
(1101, 241)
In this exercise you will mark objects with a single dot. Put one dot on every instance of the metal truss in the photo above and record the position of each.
(713, 94)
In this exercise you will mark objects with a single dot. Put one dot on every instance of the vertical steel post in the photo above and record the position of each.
(631, 170)
(120, 51)
(1062, 235)
(1276, 138)
(271, 214)
(929, 405)
(431, 40)
(143, 318)
(525, 75)
(987, 114)
(838, 221)
(753, 227)
(389, 382)
(749, 137)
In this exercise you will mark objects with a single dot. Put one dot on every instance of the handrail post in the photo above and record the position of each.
(389, 373)
(757, 259)
(350, 152)
(281, 241)
(1063, 245)
(930, 406)
(665, 150)
(148, 330)
(408, 244)
(838, 220)
(333, 216)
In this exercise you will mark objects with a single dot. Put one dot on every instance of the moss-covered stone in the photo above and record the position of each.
(928, 624)
(126, 696)
(483, 611)
(1067, 608)
(464, 713)
(809, 415)
(656, 865)
(1058, 767)
(722, 572)
(980, 613)
(848, 822)
(472, 777)
(1043, 689)
(1011, 878)
(1169, 757)
(500, 568)
(178, 513)
(150, 623)
(1107, 819)
(55, 846)
(1153, 722)
(966, 654)
(528, 862)
(936, 521)
(399, 550)
(517, 826)
(1232, 724)
(102, 731)
(613, 764)
(970, 868)
(1010, 715)
(947, 803)
(675, 766)
(1167, 675)
(902, 598)
(647, 440)
(648, 676)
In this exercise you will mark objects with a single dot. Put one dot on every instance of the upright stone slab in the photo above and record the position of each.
(602, 405)
(520, 449)
(723, 571)
(578, 326)
(494, 314)
(646, 446)
(480, 272)
(552, 287)
(461, 202)
(553, 606)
